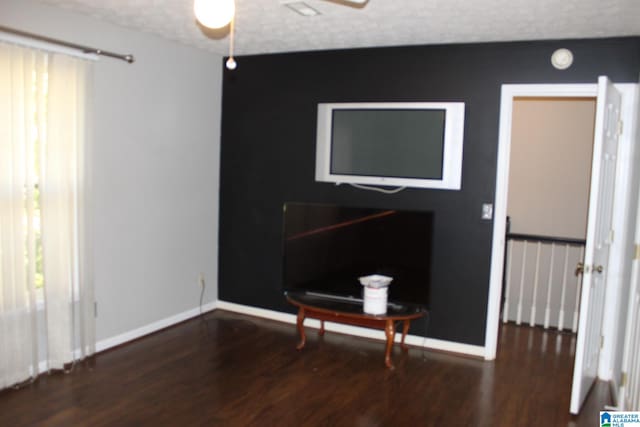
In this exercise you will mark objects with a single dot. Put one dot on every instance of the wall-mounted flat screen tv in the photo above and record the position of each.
(328, 247)
(408, 144)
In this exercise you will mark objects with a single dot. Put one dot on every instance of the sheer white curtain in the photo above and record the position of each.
(44, 149)
(19, 69)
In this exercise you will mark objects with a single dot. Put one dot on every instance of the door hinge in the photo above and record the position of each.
(611, 236)
(623, 379)
(637, 255)
(601, 342)
(620, 127)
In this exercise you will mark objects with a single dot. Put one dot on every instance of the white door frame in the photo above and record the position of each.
(627, 393)
(509, 92)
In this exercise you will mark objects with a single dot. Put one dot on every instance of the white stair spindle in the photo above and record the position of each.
(531, 283)
(532, 318)
(547, 310)
(523, 265)
(564, 288)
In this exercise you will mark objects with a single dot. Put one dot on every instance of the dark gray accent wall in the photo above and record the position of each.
(268, 155)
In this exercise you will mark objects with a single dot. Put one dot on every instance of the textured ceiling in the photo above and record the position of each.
(265, 26)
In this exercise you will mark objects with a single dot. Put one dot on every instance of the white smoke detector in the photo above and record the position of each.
(562, 59)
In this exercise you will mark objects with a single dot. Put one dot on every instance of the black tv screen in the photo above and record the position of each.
(328, 247)
(390, 143)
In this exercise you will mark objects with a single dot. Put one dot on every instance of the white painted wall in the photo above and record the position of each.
(156, 167)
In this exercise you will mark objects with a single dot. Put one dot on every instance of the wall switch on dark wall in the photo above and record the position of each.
(487, 211)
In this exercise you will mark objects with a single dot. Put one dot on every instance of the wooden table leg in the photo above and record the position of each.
(390, 331)
(405, 329)
(303, 337)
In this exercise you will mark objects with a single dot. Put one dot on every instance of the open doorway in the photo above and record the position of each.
(548, 201)
(549, 186)
(608, 200)
(508, 95)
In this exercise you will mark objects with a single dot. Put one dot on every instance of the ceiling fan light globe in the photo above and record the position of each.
(214, 13)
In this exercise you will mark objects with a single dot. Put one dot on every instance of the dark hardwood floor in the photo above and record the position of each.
(233, 370)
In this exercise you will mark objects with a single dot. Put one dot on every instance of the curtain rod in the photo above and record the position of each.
(85, 49)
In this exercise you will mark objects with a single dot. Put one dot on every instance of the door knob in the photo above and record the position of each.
(599, 269)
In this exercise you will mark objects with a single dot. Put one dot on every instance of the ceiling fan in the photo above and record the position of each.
(350, 2)
(220, 13)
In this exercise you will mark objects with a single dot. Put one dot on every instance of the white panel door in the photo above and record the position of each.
(599, 239)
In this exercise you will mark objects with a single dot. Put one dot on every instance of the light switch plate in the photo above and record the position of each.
(487, 211)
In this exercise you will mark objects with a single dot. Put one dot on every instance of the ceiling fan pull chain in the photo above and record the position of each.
(231, 63)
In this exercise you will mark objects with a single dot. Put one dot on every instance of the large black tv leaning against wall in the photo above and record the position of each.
(328, 247)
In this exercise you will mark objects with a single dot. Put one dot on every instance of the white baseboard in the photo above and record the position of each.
(108, 343)
(415, 340)
(615, 397)
(418, 341)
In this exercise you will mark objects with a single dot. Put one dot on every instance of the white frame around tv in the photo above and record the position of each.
(452, 155)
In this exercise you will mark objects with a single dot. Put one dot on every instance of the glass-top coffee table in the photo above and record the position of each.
(350, 311)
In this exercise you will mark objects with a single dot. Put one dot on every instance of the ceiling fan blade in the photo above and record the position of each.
(352, 3)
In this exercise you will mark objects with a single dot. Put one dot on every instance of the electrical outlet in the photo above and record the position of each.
(201, 280)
